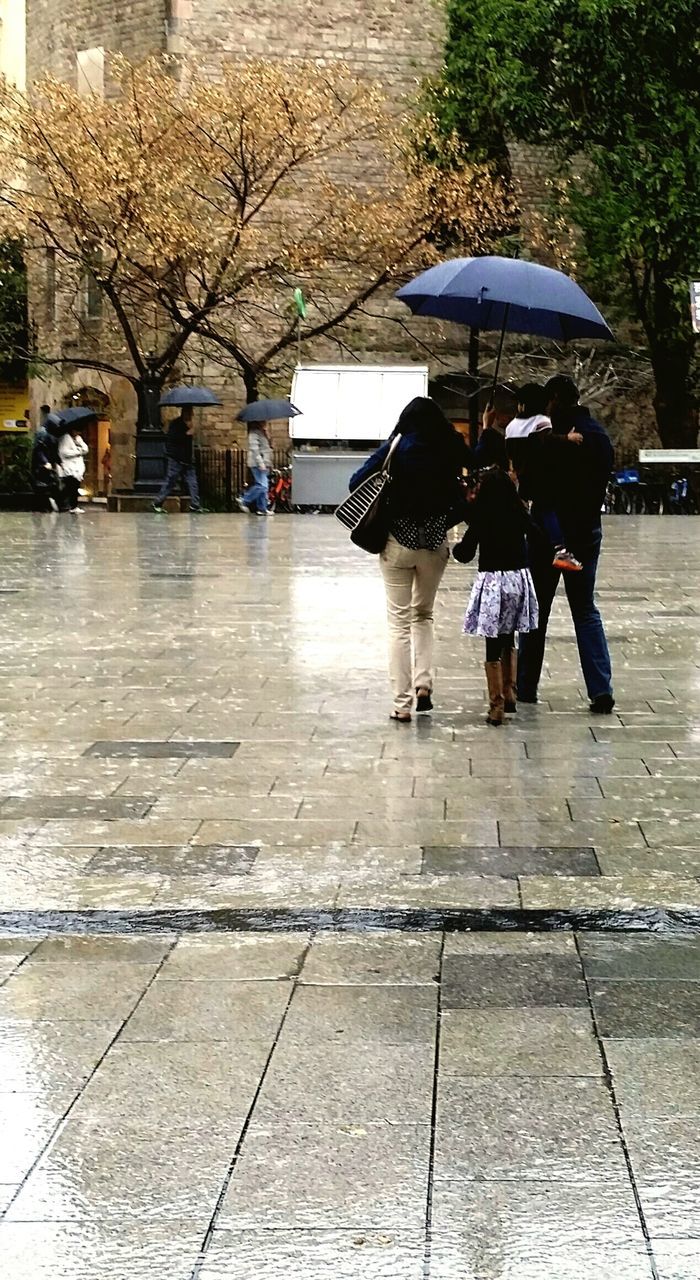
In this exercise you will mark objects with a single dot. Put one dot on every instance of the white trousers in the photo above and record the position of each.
(411, 580)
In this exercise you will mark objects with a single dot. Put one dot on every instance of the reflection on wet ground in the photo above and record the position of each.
(468, 1051)
(467, 1105)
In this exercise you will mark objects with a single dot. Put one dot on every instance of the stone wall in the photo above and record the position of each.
(58, 29)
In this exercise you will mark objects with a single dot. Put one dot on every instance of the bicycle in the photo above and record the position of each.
(280, 490)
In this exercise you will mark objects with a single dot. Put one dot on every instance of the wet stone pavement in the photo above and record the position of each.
(288, 990)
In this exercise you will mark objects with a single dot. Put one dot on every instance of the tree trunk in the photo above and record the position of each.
(674, 403)
(672, 348)
(250, 380)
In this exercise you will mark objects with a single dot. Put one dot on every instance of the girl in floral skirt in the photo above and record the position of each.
(503, 598)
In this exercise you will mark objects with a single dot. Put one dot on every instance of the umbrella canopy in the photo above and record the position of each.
(268, 411)
(80, 414)
(200, 397)
(54, 425)
(505, 294)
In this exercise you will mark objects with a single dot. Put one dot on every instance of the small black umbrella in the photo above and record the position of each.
(268, 411)
(79, 414)
(200, 397)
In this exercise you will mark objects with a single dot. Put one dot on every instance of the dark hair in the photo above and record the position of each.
(533, 399)
(497, 496)
(564, 389)
(426, 417)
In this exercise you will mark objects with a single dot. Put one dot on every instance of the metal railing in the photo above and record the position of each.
(223, 474)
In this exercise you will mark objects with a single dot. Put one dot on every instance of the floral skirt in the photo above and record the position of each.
(501, 601)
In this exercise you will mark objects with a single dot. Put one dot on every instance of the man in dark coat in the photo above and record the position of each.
(179, 447)
(575, 485)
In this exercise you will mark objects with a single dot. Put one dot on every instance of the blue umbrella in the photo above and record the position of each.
(506, 294)
(200, 397)
(268, 411)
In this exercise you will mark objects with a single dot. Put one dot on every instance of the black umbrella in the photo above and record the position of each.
(200, 397)
(54, 425)
(268, 411)
(80, 414)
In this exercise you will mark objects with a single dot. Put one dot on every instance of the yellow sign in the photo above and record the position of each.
(13, 402)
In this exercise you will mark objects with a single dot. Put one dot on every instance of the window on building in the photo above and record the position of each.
(91, 73)
(51, 285)
(93, 292)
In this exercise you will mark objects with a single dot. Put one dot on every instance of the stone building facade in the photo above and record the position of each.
(395, 41)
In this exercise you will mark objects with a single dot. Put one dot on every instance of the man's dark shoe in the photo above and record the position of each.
(602, 705)
(530, 698)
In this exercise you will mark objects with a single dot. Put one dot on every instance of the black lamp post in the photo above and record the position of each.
(150, 440)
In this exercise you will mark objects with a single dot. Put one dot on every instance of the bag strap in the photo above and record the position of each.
(386, 469)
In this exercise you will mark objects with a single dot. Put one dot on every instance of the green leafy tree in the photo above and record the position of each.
(612, 88)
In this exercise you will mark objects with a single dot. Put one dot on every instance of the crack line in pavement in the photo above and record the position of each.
(61, 1123)
(433, 1121)
(610, 1086)
(209, 1234)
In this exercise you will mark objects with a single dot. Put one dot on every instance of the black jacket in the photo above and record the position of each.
(568, 478)
(498, 527)
(425, 479)
(178, 444)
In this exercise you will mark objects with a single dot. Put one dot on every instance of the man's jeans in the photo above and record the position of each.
(590, 634)
(257, 494)
(180, 473)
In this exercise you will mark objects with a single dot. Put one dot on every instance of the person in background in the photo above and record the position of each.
(503, 598)
(583, 472)
(107, 468)
(72, 451)
(44, 470)
(425, 500)
(44, 412)
(179, 448)
(531, 420)
(255, 500)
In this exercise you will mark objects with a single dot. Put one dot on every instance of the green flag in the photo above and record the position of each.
(300, 304)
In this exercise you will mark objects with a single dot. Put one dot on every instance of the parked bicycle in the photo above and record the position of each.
(280, 490)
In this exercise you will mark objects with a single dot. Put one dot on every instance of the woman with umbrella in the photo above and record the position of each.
(255, 499)
(72, 451)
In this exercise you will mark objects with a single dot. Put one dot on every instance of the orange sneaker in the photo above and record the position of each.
(563, 559)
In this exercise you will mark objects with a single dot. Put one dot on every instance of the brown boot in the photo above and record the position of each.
(494, 681)
(509, 665)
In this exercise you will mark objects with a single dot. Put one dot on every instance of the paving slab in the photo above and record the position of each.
(121, 1250)
(356, 1175)
(518, 1129)
(315, 1255)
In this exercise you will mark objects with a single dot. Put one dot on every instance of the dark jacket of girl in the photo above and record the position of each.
(499, 526)
(426, 465)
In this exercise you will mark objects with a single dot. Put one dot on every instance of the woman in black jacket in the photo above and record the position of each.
(425, 500)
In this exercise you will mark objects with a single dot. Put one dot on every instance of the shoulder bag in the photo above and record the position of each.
(365, 512)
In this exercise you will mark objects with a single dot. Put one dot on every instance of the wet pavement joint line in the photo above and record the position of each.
(427, 1258)
(85, 1082)
(359, 920)
(209, 1235)
(610, 1086)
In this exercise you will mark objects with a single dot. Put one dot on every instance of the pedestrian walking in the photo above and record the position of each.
(531, 420)
(255, 499)
(425, 499)
(503, 598)
(72, 451)
(44, 470)
(179, 448)
(582, 474)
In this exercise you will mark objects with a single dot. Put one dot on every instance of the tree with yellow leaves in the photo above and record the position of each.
(186, 209)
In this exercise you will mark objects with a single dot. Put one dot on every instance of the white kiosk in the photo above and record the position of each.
(345, 412)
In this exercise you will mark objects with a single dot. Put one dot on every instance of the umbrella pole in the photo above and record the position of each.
(506, 314)
(473, 369)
